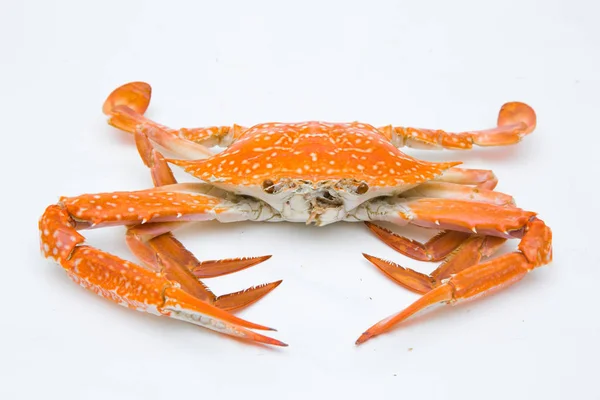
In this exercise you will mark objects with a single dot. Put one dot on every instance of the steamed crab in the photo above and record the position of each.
(310, 172)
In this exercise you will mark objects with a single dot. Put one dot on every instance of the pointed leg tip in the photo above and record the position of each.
(271, 341)
(275, 283)
(374, 260)
(378, 262)
(244, 298)
(214, 268)
(363, 338)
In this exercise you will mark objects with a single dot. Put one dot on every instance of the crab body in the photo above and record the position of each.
(313, 171)
(309, 172)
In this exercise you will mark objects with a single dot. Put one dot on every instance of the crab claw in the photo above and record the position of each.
(133, 95)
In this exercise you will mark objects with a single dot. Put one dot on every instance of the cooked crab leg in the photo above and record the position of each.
(131, 285)
(515, 120)
(459, 192)
(448, 214)
(469, 253)
(159, 169)
(435, 249)
(535, 250)
(150, 241)
(481, 178)
(168, 208)
(126, 106)
(169, 205)
(465, 216)
(181, 266)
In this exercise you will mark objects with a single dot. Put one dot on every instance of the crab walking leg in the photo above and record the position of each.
(151, 241)
(442, 244)
(457, 219)
(469, 253)
(481, 178)
(126, 106)
(448, 214)
(465, 216)
(182, 266)
(187, 270)
(186, 265)
(159, 169)
(515, 120)
(535, 250)
(153, 213)
(459, 192)
(435, 249)
(158, 236)
(131, 285)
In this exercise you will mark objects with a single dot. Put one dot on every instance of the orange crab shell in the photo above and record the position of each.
(314, 151)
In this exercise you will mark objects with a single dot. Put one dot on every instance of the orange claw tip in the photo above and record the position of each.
(244, 298)
(517, 113)
(214, 268)
(271, 341)
(363, 338)
(258, 338)
(275, 342)
(134, 95)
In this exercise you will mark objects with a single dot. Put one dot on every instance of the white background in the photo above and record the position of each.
(442, 64)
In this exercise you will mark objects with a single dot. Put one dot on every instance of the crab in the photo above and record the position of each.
(310, 172)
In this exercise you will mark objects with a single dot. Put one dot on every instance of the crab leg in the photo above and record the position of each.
(187, 270)
(169, 205)
(469, 253)
(182, 266)
(459, 192)
(448, 214)
(515, 120)
(435, 249)
(151, 241)
(169, 209)
(535, 250)
(465, 216)
(131, 285)
(159, 169)
(453, 282)
(481, 178)
(126, 106)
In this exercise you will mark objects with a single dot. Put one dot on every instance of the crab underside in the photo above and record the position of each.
(310, 172)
